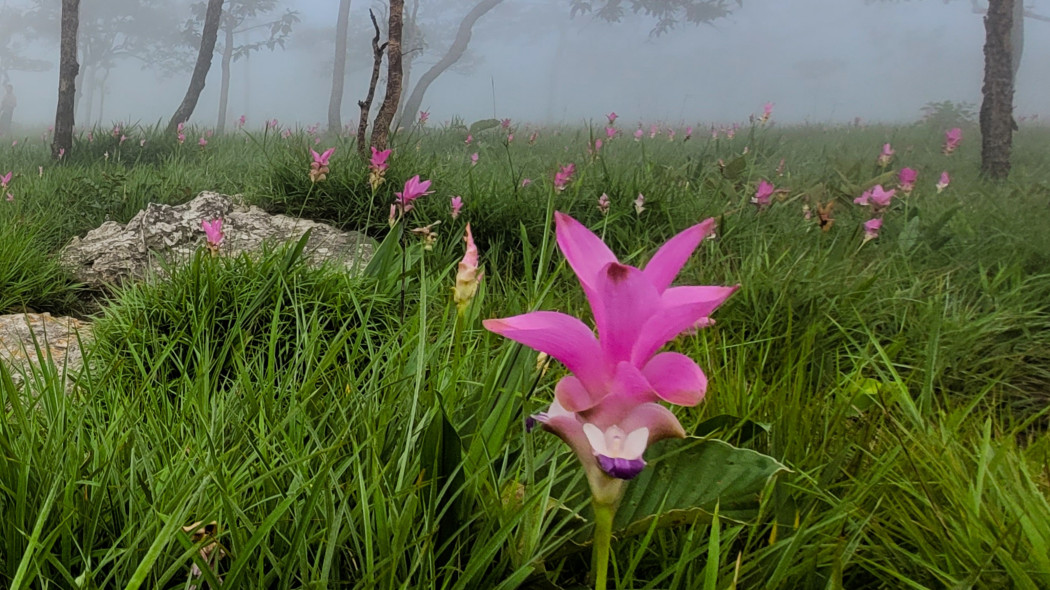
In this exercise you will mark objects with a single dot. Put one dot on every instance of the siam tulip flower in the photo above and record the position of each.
(10, 197)
(286, 133)
(730, 133)
(457, 205)
(202, 142)
(319, 167)
(123, 138)
(428, 234)
(241, 121)
(181, 137)
(14, 142)
(877, 197)
(688, 133)
(505, 123)
(603, 204)
(180, 127)
(597, 145)
(61, 153)
(423, 116)
(563, 176)
(474, 159)
(612, 118)
(510, 137)
(271, 124)
(653, 131)
(608, 409)
(525, 182)
(467, 275)
(886, 156)
(952, 137)
(213, 234)
(533, 136)
(610, 132)
(470, 138)
(142, 143)
(767, 112)
(414, 188)
(943, 182)
(638, 134)
(6, 179)
(906, 177)
(871, 229)
(377, 167)
(763, 194)
(670, 134)
(639, 204)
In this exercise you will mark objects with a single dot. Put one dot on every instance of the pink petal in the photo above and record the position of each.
(626, 300)
(658, 419)
(573, 395)
(670, 258)
(562, 336)
(680, 308)
(676, 378)
(585, 252)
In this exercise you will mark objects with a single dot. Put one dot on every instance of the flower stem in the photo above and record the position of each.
(603, 523)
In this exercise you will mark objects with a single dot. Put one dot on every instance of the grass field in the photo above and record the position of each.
(354, 431)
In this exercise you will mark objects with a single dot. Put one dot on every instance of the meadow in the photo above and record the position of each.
(356, 431)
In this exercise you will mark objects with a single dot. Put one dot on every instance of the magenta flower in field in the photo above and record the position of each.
(457, 205)
(563, 176)
(944, 181)
(213, 233)
(469, 139)
(525, 182)
(603, 204)
(763, 194)
(202, 142)
(319, 167)
(241, 121)
(639, 204)
(610, 132)
(688, 133)
(638, 134)
(952, 138)
(653, 131)
(907, 177)
(612, 117)
(871, 228)
(414, 188)
(474, 159)
(377, 162)
(504, 123)
(886, 156)
(876, 197)
(767, 112)
(6, 179)
(597, 145)
(423, 116)
(533, 136)
(510, 138)
(608, 409)
(322, 158)
(467, 274)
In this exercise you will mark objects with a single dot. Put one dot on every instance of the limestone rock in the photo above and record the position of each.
(27, 339)
(114, 253)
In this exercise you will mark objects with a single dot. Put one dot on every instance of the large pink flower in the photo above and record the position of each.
(608, 409)
(414, 188)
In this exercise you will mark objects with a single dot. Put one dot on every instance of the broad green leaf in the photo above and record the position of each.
(910, 236)
(482, 125)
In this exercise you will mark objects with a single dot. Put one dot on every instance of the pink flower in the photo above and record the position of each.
(608, 409)
(944, 181)
(597, 145)
(525, 182)
(414, 188)
(670, 134)
(474, 159)
(202, 142)
(871, 228)
(470, 138)
(322, 158)
(886, 156)
(767, 112)
(505, 123)
(213, 233)
(457, 205)
(653, 131)
(467, 274)
(180, 127)
(271, 124)
(610, 132)
(533, 136)
(612, 117)
(688, 133)
(638, 134)
(510, 137)
(906, 177)
(563, 176)
(10, 197)
(877, 197)
(123, 138)
(378, 160)
(181, 137)
(603, 204)
(423, 116)
(763, 194)
(6, 179)
(241, 120)
(639, 204)
(952, 137)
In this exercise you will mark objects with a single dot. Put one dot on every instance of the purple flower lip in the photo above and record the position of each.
(621, 468)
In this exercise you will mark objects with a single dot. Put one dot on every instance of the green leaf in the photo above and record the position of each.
(910, 235)
(685, 482)
(483, 124)
(734, 168)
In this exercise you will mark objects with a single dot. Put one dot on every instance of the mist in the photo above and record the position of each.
(817, 60)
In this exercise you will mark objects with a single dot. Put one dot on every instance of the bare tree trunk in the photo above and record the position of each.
(381, 126)
(224, 88)
(455, 51)
(200, 71)
(335, 102)
(90, 80)
(366, 104)
(102, 95)
(67, 75)
(997, 106)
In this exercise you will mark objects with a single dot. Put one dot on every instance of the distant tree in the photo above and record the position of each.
(14, 32)
(67, 76)
(335, 102)
(667, 13)
(200, 70)
(997, 124)
(453, 55)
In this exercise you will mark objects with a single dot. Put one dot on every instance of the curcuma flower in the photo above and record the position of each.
(563, 176)
(763, 194)
(467, 275)
(952, 138)
(319, 167)
(608, 409)
(906, 178)
(213, 234)
(944, 181)
(377, 167)
(414, 188)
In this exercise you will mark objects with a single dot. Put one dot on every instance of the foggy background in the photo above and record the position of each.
(818, 60)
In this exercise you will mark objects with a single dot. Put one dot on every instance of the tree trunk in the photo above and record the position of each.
(67, 75)
(366, 104)
(102, 96)
(455, 51)
(224, 89)
(335, 102)
(200, 71)
(381, 126)
(90, 81)
(997, 106)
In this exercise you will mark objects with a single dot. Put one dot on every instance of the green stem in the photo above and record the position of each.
(603, 523)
